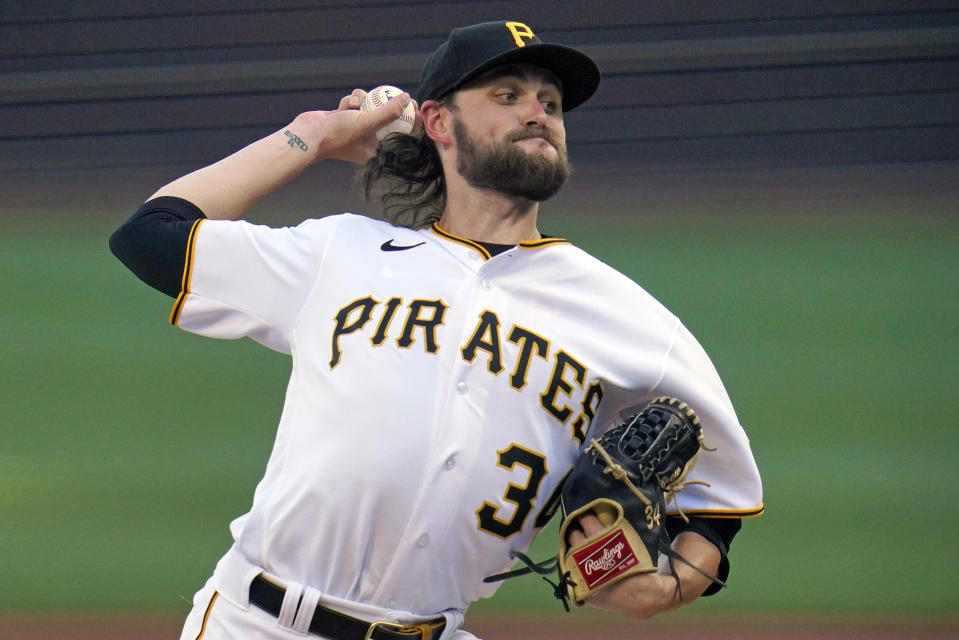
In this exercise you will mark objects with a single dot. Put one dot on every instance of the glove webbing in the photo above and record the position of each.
(621, 474)
(617, 471)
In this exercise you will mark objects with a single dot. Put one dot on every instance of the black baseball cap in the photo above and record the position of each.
(470, 51)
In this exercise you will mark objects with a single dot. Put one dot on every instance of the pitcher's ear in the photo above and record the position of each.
(437, 121)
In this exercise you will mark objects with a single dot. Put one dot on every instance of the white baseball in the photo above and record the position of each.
(380, 96)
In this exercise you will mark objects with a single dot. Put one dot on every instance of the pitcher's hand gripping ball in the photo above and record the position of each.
(380, 96)
(627, 477)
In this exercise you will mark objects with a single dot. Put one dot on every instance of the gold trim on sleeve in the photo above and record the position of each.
(719, 513)
(188, 260)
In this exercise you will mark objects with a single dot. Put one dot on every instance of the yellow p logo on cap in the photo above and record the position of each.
(520, 31)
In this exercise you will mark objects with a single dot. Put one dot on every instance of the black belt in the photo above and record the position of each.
(339, 626)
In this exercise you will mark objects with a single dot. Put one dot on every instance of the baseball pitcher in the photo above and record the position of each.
(457, 377)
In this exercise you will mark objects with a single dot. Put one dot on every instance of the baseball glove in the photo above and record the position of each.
(626, 478)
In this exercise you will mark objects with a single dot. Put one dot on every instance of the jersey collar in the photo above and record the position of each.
(475, 246)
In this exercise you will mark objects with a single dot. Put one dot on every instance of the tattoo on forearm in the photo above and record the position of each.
(295, 140)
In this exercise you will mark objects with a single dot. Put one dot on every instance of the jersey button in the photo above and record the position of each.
(451, 461)
(423, 540)
(461, 388)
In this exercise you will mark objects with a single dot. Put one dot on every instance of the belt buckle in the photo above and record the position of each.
(425, 630)
(386, 625)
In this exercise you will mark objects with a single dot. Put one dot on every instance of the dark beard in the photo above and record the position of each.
(507, 169)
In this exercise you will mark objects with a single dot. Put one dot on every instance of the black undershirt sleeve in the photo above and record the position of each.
(719, 531)
(153, 242)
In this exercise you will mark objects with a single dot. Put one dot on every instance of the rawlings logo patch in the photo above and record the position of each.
(605, 559)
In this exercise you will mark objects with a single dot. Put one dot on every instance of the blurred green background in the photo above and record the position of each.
(127, 446)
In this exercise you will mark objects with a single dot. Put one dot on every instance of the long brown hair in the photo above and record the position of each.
(406, 176)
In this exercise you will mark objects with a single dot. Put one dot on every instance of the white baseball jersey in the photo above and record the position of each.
(438, 397)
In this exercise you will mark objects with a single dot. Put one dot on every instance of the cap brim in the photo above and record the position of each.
(577, 71)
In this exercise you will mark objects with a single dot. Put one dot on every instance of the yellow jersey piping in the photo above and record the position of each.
(206, 615)
(718, 513)
(544, 242)
(187, 272)
(526, 244)
(463, 241)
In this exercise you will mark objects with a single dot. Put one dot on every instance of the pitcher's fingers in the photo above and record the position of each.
(583, 528)
(417, 119)
(386, 113)
(590, 523)
(353, 100)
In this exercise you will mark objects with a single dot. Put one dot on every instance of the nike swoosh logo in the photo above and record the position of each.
(389, 246)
